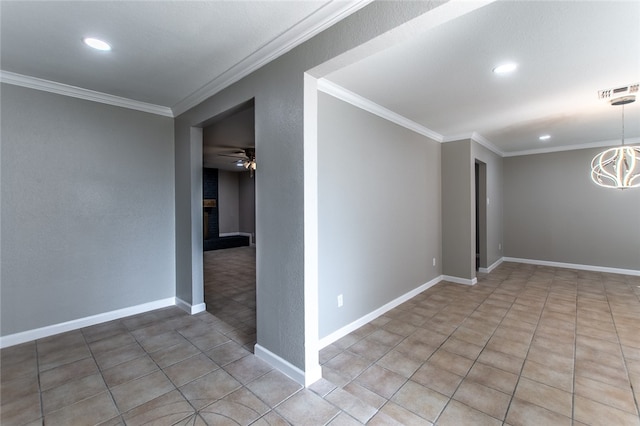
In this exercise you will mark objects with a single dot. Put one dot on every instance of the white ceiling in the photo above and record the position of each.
(566, 52)
(168, 53)
(174, 54)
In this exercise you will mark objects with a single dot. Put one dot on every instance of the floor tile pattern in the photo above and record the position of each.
(230, 290)
(527, 345)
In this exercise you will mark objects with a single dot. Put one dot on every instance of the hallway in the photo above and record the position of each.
(230, 291)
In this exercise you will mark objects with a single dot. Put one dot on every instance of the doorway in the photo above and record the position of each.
(481, 215)
(229, 257)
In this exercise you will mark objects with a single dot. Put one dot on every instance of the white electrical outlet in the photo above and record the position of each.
(499, 246)
(434, 261)
(340, 301)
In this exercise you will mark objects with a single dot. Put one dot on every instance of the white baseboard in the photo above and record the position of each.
(50, 330)
(338, 334)
(189, 308)
(244, 234)
(465, 281)
(491, 267)
(304, 378)
(234, 234)
(573, 266)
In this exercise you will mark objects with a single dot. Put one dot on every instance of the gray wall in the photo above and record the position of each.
(247, 203)
(236, 202)
(379, 210)
(494, 209)
(458, 232)
(278, 91)
(458, 207)
(88, 220)
(554, 212)
(228, 202)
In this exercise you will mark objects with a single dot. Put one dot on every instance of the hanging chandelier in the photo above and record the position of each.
(618, 167)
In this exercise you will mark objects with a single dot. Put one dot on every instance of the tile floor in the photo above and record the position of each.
(527, 345)
(230, 289)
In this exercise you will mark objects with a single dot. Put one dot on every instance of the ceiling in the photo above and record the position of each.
(175, 54)
(565, 51)
(167, 53)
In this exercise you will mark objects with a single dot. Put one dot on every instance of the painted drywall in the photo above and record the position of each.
(278, 89)
(458, 213)
(458, 207)
(554, 212)
(247, 200)
(228, 202)
(494, 203)
(87, 196)
(379, 212)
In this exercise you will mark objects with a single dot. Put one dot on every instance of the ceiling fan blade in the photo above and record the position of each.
(240, 156)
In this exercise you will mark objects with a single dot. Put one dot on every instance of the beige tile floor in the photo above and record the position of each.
(230, 289)
(527, 345)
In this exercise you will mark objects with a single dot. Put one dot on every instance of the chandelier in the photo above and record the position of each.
(618, 167)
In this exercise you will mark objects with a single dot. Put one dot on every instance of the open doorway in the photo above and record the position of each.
(229, 258)
(481, 214)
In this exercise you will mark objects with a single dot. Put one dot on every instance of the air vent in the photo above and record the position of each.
(607, 94)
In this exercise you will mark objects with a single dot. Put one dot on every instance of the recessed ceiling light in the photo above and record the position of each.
(505, 68)
(97, 44)
(545, 137)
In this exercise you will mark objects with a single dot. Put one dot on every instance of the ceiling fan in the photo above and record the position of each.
(245, 157)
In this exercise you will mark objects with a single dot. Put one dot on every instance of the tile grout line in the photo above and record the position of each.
(624, 358)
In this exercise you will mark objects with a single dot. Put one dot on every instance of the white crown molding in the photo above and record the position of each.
(477, 137)
(337, 91)
(601, 144)
(80, 93)
(487, 143)
(304, 30)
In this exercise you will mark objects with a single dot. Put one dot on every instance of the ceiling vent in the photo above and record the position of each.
(617, 92)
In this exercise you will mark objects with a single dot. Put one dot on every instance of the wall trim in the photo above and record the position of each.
(457, 280)
(189, 308)
(303, 378)
(491, 267)
(340, 333)
(599, 144)
(339, 92)
(80, 93)
(574, 266)
(478, 138)
(302, 31)
(50, 330)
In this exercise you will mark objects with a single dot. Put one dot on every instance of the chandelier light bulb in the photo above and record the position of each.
(618, 167)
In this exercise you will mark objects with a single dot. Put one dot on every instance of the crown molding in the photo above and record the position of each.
(476, 137)
(80, 93)
(601, 144)
(313, 24)
(343, 94)
(486, 143)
